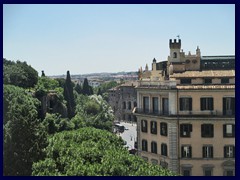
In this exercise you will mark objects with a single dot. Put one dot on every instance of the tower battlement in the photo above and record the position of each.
(175, 44)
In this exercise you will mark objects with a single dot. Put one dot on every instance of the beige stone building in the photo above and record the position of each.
(123, 99)
(186, 113)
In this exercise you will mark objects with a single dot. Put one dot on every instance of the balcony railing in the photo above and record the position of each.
(180, 113)
(151, 112)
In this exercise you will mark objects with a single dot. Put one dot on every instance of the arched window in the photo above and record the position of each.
(174, 55)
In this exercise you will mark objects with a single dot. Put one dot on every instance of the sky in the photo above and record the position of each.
(85, 38)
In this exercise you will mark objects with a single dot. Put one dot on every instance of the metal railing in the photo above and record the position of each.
(180, 113)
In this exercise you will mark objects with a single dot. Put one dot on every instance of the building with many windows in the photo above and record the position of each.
(186, 113)
(123, 99)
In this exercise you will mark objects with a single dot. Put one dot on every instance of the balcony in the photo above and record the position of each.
(153, 113)
(181, 113)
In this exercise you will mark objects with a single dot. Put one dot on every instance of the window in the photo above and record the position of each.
(207, 130)
(186, 151)
(164, 149)
(124, 105)
(135, 104)
(146, 104)
(154, 147)
(228, 130)
(155, 105)
(224, 80)
(129, 105)
(186, 81)
(186, 172)
(229, 106)
(185, 130)
(207, 172)
(153, 127)
(144, 145)
(207, 81)
(165, 106)
(206, 104)
(144, 125)
(174, 55)
(229, 151)
(185, 104)
(207, 152)
(229, 173)
(163, 129)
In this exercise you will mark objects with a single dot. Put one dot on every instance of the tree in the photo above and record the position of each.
(86, 90)
(93, 111)
(43, 74)
(99, 91)
(78, 89)
(92, 152)
(24, 134)
(54, 123)
(69, 97)
(19, 74)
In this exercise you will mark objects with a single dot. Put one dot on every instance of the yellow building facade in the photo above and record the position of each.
(186, 113)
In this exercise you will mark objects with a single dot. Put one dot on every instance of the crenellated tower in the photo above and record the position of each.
(175, 47)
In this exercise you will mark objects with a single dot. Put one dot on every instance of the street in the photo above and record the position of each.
(130, 134)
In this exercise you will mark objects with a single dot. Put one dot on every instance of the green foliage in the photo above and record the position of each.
(94, 111)
(24, 135)
(69, 97)
(99, 91)
(87, 90)
(108, 85)
(92, 107)
(54, 123)
(19, 74)
(44, 85)
(92, 152)
(103, 88)
(43, 74)
(61, 82)
(78, 89)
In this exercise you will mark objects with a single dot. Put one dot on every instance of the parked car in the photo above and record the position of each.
(120, 127)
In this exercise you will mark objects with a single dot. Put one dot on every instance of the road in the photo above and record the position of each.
(129, 135)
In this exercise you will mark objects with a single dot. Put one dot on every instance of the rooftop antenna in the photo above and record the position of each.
(178, 36)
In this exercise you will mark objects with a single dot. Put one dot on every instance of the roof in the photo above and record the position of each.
(129, 83)
(205, 73)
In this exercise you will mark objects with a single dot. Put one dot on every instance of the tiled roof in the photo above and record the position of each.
(206, 73)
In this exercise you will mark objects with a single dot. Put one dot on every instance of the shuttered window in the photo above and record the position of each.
(207, 130)
(206, 104)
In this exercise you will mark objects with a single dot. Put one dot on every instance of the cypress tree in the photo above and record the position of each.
(86, 89)
(68, 96)
(90, 90)
(43, 74)
(78, 89)
(99, 91)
